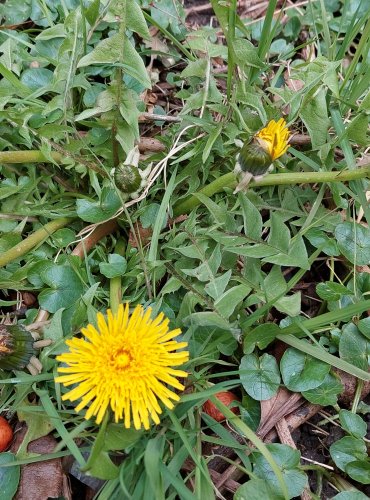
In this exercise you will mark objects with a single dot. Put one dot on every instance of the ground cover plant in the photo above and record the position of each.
(177, 317)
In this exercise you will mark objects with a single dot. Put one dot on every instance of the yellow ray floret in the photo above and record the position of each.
(274, 138)
(124, 364)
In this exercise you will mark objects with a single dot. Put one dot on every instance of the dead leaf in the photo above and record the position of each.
(277, 407)
(140, 237)
(40, 480)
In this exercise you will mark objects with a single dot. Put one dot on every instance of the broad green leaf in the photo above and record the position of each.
(65, 288)
(63, 237)
(250, 412)
(105, 101)
(149, 215)
(117, 437)
(252, 218)
(207, 319)
(92, 12)
(195, 68)
(255, 489)
(301, 372)
(56, 31)
(279, 236)
(168, 14)
(172, 285)
(357, 130)
(314, 115)
(275, 285)
(352, 423)
(116, 266)
(229, 300)
(326, 393)
(290, 304)
(135, 20)
(54, 330)
(103, 467)
(256, 251)
(329, 290)
(109, 51)
(288, 461)
(260, 377)
(296, 256)
(208, 269)
(15, 12)
(9, 476)
(354, 347)
(37, 78)
(38, 424)
(9, 240)
(346, 450)
(359, 470)
(364, 326)
(261, 336)
(319, 239)
(99, 211)
(216, 287)
(354, 242)
(350, 495)
(246, 54)
(34, 273)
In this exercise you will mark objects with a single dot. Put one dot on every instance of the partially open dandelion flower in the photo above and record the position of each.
(274, 138)
(256, 156)
(125, 364)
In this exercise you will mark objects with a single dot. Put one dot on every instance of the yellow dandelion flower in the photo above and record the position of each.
(125, 364)
(274, 138)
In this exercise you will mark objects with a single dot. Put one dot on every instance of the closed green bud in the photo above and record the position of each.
(127, 178)
(254, 159)
(16, 347)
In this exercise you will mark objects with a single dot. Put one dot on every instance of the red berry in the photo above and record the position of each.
(226, 398)
(6, 434)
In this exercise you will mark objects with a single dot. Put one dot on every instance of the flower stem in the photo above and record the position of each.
(229, 180)
(36, 156)
(33, 240)
(115, 288)
(29, 157)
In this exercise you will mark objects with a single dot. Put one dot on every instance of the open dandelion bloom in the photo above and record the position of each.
(124, 364)
(274, 138)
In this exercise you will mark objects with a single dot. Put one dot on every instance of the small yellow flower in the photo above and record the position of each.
(125, 364)
(274, 138)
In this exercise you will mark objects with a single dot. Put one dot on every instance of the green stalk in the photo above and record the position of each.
(230, 49)
(29, 157)
(36, 156)
(33, 240)
(115, 284)
(229, 180)
(119, 83)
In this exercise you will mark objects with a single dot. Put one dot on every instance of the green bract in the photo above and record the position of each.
(127, 178)
(254, 159)
(16, 347)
